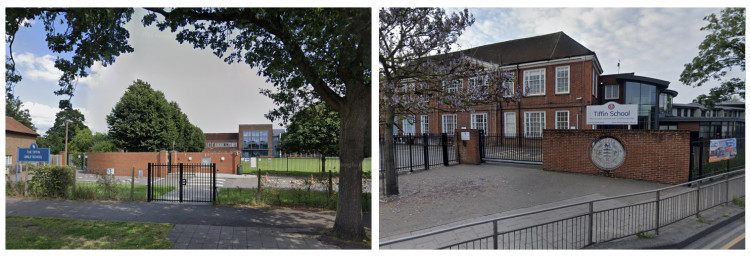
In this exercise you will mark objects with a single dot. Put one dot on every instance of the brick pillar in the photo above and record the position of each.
(468, 150)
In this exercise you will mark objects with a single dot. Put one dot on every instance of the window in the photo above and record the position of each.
(562, 120)
(562, 80)
(510, 124)
(408, 87)
(594, 79)
(408, 125)
(452, 86)
(534, 124)
(611, 92)
(509, 89)
(8, 160)
(481, 81)
(534, 81)
(254, 143)
(425, 123)
(479, 121)
(449, 123)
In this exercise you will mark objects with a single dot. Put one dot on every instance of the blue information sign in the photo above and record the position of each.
(33, 154)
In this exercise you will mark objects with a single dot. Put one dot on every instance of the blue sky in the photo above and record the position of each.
(215, 96)
(651, 42)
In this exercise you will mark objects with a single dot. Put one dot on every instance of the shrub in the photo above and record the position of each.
(15, 189)
(52, 181)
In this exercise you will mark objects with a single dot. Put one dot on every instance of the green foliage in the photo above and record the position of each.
(293, 197)
(721, 50)
(739, 201)
(13, 110)
(144, 121)
(645, 235)
(55, 136)
(313, 130)
(85, 141)
(88, 35)
(55, 233)
(52, 181)
(15, 189)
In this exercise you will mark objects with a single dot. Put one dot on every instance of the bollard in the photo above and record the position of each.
(132, 185)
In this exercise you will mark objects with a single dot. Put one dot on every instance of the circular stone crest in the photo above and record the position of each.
(607, 153)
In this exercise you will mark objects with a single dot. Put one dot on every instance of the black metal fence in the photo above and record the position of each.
(700, 152)
(421, 152)
(576, 226)
(512, 148)
(181, 182)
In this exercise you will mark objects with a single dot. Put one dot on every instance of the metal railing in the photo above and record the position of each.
(421, 152)
(578, 225)
(700, 167)
(511, 148)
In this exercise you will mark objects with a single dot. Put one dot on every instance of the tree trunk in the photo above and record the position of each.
(322, 164)
(391, 177)
(355, 118)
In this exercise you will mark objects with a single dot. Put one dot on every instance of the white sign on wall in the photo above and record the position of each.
(253, 162)
(465, 136)
(612, 113)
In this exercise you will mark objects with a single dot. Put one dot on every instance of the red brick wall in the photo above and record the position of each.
(653, 155)
(123, 163)
(468, 153)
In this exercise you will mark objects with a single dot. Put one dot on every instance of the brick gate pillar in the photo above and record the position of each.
(467, 146)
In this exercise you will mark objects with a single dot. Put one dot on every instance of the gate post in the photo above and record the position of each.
(148, 184)
(426, 145)
(213, 182)
(180, 182)
(444, 143)
(410, 137)
(481, 145)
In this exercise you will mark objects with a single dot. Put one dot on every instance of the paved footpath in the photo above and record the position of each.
(197, 226)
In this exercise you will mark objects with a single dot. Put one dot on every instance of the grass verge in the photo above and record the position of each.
(54, 233)
(117, 192)
(298, 198)
(300, 166)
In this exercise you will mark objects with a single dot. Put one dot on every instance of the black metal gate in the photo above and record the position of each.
(510, 148)
(182, 182)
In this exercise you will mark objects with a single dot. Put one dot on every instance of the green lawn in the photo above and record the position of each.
(300, 166)
(94, 191)
(283, 197)
(54, 233)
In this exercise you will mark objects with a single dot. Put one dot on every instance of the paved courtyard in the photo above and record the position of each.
(449, 196)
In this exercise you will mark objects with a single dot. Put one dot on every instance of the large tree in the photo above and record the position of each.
(415, 60)
(144, 121)
(14, 110)
(88, 34)
(55, 136)
(315, 129)
(324, 51)
(722, 50)
(86, 141)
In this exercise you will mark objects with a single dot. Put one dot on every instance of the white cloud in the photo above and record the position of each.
(43, 116)
(37, 68)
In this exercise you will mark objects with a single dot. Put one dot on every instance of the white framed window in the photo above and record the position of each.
(534, 81)
(593, 82)
(395, 125)
(534, 124)
(8, 160)
(479, 121)
(449, 123)
(562, 80)
(452, 86)
(510, 124)
(611, 92)
(425, 124)
(408, 87)
(482, 81)
(408, 125)
(562, 120)
(509, 89)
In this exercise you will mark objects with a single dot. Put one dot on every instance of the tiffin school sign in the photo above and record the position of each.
(612, 113)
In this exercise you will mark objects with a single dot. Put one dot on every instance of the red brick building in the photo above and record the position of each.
(557, 76)
(16, 135)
